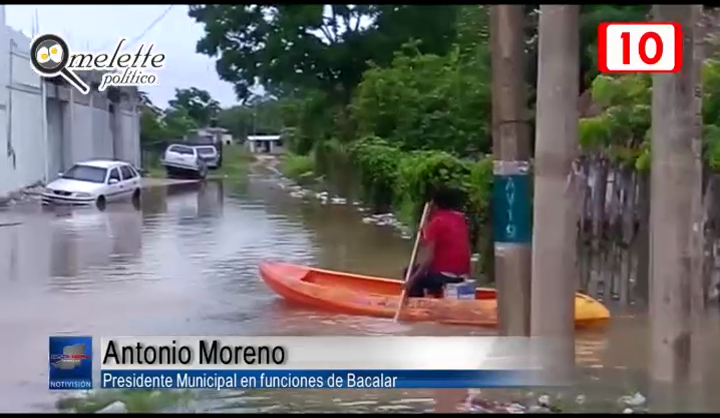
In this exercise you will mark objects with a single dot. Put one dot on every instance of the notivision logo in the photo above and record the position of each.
(51, 57)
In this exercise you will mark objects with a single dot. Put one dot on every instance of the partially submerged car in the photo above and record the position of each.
(184, 161)
(209, 154)
(94, 182)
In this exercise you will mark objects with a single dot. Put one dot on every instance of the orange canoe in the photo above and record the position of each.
(373, 296)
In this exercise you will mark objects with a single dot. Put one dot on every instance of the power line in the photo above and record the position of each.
(143, 33)
(154, 22)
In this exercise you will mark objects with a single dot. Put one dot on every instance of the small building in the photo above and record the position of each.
(265, 144)
(212, 135)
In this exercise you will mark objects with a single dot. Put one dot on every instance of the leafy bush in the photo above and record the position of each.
(404, 180)
(377, 163)
(622, 130)
(297, 166)
(427, 102)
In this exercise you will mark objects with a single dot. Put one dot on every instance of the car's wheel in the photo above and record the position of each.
(202, 172)
(101, 203)
(136, 198)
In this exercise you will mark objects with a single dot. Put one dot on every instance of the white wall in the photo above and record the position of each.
(5, 162)
(25, 103)
(129, 132)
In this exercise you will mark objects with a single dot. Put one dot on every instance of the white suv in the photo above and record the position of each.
(209, 154)
(184, 161)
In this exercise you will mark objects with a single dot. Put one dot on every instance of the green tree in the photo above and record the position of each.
(260, 115)
(621, 130)
(324, 47)
(178, 122)
(198, 104)
(152, 131)
(427, 101)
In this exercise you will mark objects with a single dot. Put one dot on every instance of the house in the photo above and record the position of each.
(212, 135)
(265, 144)
(46, 125)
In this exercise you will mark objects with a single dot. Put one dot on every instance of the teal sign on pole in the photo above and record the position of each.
(512, 216)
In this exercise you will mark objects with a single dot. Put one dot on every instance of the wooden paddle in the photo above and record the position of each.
(403, 297)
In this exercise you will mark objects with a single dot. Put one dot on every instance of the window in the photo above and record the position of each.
(86, 173)
(206, 151)
(127, 172)
(180, 149)
(114, 174)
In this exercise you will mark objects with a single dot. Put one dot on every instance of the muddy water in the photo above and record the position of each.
(186, 264)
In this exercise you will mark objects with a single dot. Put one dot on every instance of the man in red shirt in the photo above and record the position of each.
(446, 244)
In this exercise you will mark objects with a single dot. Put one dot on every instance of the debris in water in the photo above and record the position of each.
(369, 220)
(515, 408)
(116, 407)
(537, 409)
(628, 411)
(636, 400)
(580, 399)
(338, 201)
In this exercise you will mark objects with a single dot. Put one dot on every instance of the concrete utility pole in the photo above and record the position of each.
(556, 147)
(676, 225)
(512, 186)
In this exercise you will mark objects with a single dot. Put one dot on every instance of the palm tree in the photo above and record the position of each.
(555, 214)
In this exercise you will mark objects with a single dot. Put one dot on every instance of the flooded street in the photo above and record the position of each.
(186, 264)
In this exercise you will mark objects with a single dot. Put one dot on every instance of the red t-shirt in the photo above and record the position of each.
(449, 230)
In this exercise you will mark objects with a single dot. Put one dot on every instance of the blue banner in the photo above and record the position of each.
(316, 379)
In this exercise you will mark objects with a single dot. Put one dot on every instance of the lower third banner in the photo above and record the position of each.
(318, 379)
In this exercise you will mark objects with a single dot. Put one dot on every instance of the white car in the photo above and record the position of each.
(95, 182)
(209, 154)
(184, 161)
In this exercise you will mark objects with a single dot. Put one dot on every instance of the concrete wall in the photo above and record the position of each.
(45, 127)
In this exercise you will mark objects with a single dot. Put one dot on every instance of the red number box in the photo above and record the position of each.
(640, 47)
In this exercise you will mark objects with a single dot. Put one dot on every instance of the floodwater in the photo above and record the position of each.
(186, 264)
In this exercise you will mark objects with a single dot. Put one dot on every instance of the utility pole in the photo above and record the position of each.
(512, 220)
(554, 256)
(676, 224)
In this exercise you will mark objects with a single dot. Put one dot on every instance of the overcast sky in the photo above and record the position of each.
(98, 27)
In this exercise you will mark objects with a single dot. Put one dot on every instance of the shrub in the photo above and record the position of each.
(297, 166)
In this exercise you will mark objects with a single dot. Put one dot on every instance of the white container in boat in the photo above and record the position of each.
(460, 291)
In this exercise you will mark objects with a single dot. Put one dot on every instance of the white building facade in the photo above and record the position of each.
(46, 126)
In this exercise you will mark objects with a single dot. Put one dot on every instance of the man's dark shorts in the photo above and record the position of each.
(431, 282)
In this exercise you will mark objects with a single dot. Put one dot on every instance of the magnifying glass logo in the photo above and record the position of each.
(49, 56)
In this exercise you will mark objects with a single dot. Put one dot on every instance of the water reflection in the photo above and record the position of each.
(187, 265)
